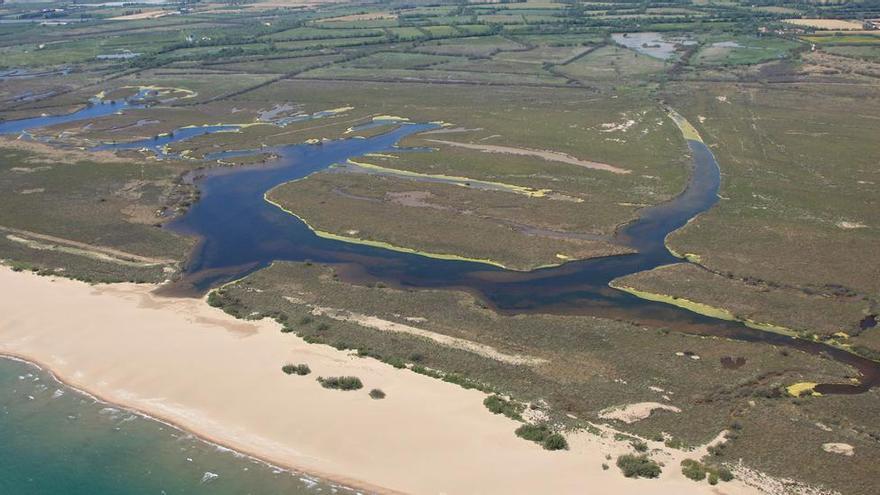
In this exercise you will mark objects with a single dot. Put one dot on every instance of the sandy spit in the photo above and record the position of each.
(196, 367)
(553, 156)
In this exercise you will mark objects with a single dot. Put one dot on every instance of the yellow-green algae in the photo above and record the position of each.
(723, 314)
(687, 129)
(459, 181)
(798, 389)
(704, 309)
(384, 245)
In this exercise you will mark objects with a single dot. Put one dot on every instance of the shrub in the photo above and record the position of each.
(716, 450)
(498, 405)
(693, 469)
(713, 479)
(377, 394)
(674, 443)
(639, 445)
(725, 474)
(323, 326)
(305, 320)
(296, 369)
(215, 299)
(555, 441)
(638, 466)
(535, 433)
(396, 362)
(341, 382)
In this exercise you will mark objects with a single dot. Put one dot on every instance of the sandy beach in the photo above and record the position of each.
(196, 367)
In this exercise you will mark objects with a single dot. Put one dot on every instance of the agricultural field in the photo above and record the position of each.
(512, 197)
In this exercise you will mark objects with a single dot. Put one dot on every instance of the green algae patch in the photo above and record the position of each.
(383, 245)
(692, 257)
(695, 307)
(687, 129)
(802, 388)
(705, 310)
(456, 180)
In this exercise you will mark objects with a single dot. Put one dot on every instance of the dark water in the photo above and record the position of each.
(56, 441)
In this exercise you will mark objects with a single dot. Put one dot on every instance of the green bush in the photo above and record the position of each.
(555, 441)
(296, 369)
(341, 382)
(713, 479)
(498, 405)
(725, 474)
(534, 433)
(674, 443)
(638, 466)
(215, 299)
(693, 469)
(639, 445)
(377, 394)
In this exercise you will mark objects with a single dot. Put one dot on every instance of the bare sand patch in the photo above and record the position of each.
(631, 413)
(851, 225)
(46, 242)
(553, 156)
(196, 367)
(839, 448)
(383, 325)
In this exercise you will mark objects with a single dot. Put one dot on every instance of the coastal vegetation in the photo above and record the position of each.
(698, 471)
(638, 466)
(543, 435)
(296, 369)
(341, 382)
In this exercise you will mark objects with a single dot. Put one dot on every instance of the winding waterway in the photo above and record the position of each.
(241, 232)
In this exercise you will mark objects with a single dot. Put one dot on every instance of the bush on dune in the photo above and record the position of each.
(341, 382)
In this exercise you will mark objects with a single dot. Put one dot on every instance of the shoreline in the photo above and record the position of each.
(340, 481)
(169, 360)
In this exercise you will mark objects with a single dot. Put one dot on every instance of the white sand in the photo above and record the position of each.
(187, 363)
(839, 448)
(553, 156)
(631, 413)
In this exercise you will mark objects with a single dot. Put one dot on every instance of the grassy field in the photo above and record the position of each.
(796, 185)
(101, 204)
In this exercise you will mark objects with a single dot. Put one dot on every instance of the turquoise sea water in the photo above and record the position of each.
(57, 441)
